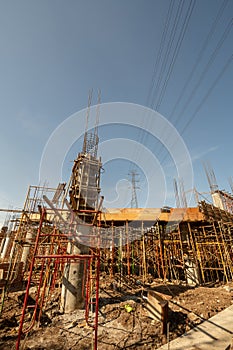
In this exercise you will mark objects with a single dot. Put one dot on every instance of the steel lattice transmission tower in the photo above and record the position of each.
(134, 187)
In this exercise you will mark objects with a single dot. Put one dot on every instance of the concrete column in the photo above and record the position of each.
(72, 281)
(2, 246)
(26, 247)
(5, 245)
(191, 273)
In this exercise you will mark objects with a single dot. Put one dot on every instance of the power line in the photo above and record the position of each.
(161, 48)
(176, 51)
(205, 97)
(178, 44)
(141, 132)
(200, 55)
(229, 61)
(168, 49)
(173, 34)
(207, 66)
(205, 70)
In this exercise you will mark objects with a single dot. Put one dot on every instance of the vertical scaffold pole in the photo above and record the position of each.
(29, 279)
(97, 298)
(127, 247)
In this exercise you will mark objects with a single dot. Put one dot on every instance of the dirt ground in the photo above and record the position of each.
(123, 317)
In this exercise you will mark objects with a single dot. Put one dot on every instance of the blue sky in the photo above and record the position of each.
(54, 52)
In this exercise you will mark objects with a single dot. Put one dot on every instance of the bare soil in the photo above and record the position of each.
(123, 318)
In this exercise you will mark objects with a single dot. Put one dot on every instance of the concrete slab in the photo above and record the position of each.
(215, 333)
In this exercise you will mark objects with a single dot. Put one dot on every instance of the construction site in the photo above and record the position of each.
(75, 276)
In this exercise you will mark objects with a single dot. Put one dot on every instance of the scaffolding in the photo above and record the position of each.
(49, 261)
(190, 251)
(196, 252)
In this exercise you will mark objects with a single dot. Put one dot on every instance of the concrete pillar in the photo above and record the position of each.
(26, 247)
(72, 281)
(2, 246)
(3, 232)
(191, 273)
(5, 246)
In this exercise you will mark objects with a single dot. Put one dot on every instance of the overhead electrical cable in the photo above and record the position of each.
(207, 67)
(161, 49)
(141, 132)
(173, 32)
(205, 97)
(179, 42)
(168, 51)
(204, 71)
(176, 51)
(200, 55)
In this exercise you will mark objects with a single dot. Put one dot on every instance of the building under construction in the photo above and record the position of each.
(62, 240)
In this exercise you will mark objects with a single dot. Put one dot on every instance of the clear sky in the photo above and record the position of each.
(54, 52)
